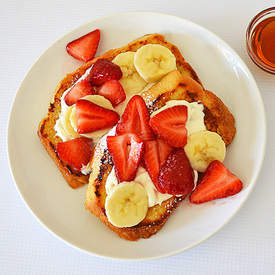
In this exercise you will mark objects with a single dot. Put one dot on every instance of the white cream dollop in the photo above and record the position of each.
(142, 177)
(60, 124)
(154, 197)
(195, 120)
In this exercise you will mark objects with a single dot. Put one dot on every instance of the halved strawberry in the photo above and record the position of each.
(217, 182)
(126, 151)
(113, 91)
(176, 176)
(80, 89)
(85, 47)
(155, 154)
(135, 119)
(76, 152)
(169, 124)
(104, 70)
(91, 117)
(164, 150)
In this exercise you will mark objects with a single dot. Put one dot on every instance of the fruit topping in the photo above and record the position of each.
(91, 117)
(153, 61)
(135, 119)
(113, 91)
(76, 152)
(104, 70)
(155, 154)
(169, 124)
(126, 151)
(127, 205)
(79, 90)
(85, 47)
(176, 176)
(131, 81)
(203, 147)
(217, 182)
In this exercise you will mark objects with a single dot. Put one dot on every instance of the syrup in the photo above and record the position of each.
(263, 41)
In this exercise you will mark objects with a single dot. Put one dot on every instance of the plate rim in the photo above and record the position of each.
(252, 182)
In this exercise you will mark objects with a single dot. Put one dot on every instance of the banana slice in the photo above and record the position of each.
(203, 147)
(98, 100)
(72, 133)
(153, 61)
(131, 81)
(127, 205)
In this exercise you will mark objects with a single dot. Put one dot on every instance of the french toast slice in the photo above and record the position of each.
(173, 86)
(46, 131)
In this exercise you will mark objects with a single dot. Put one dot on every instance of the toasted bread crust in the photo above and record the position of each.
(175, 86)
(46, 130)
(73, 178)
(96, 196)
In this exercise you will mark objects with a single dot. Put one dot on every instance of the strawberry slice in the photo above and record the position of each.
(113, 91)
(164, 151)
(91, 117)
(217, 182)
(126, 151)
(176, 176)
(104, 70)
(155, 154)
(85, 47)
(80, 89)
(76, 152)
(169, 124)
(135, 119)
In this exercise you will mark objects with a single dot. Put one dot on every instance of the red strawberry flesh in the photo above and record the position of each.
(76, 152)
(164, 150)
(104, 70)
(135, 119)
(176, 176)
(79, 90)
(169, 124)
(85, 47)
(92, 117)
(217, 182)
(155, 154)
(126, 151)
(113, 91)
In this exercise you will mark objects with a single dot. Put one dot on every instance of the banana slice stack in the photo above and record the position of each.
(131, 81)
(147, 65)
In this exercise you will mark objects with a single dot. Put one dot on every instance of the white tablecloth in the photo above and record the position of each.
(244, 246)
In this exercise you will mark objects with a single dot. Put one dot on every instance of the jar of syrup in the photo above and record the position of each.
(260, 40)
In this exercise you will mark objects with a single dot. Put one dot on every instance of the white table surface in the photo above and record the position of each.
(244, 246)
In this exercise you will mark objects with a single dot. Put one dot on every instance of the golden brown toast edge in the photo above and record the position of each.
(173, 86)
(46, 130)
(217, 118)
(96, 196)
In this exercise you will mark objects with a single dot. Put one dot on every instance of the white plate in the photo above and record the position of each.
(61, 209)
